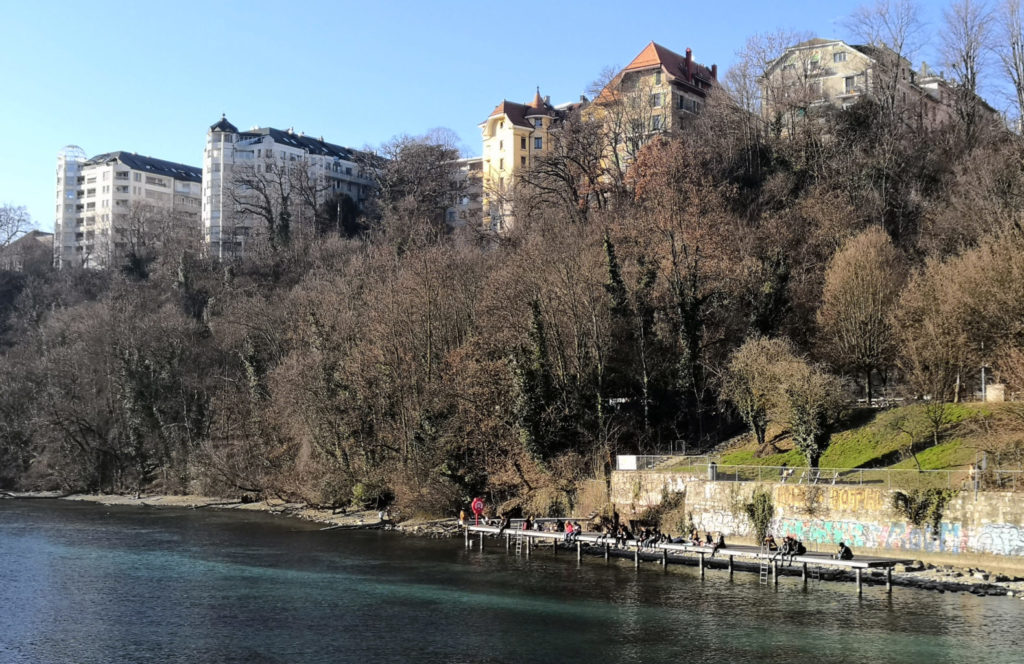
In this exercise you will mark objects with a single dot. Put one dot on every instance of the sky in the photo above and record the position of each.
(152, 77)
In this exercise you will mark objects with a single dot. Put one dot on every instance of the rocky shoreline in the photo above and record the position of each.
(919, 575)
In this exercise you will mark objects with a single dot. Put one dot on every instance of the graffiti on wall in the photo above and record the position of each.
(892, 535)
(840, 499)
(1002, 538)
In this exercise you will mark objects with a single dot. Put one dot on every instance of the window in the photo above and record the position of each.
(850, 84)
(539, 123)
(501, 145)
(657, 77)
(522, 143)
(522, 161)
(138, 177)
(656, 123)
(348, 170)
(656, 100)
(538, 143)
(501, 164)
(839, 57)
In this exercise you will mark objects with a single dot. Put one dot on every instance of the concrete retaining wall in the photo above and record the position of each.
(991, 524)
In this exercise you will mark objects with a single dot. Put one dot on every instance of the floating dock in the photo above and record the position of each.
(666, 553)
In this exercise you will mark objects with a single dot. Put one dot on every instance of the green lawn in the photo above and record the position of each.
(878, 439)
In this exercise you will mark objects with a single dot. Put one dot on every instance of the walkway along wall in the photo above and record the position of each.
(987, 525)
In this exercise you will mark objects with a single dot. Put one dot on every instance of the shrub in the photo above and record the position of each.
(760, 510)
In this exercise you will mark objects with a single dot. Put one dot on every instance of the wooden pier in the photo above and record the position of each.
(665, 553)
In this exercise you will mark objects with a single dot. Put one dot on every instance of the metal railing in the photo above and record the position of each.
(890, 478)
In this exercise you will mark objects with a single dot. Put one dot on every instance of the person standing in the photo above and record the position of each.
(462, 517)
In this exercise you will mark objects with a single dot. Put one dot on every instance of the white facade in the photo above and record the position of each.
(232, 156)
(97, 198)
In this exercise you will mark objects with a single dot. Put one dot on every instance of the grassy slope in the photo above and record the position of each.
(876, 438)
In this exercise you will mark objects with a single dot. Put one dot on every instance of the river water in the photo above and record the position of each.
(89, 584)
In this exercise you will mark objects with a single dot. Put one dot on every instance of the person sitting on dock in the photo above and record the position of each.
(719, 544)
(796, 548)
(505, 523)
(462, 517)
(769, 541)
(576, 530)
(784, 549)
(844, 553)
(568, 530)
(707, 539)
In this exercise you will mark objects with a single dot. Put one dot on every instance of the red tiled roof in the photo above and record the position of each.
(518, 113)
(673, 64)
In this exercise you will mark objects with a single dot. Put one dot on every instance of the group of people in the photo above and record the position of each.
(791, 546)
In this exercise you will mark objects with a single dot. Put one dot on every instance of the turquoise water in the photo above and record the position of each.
(88, 584)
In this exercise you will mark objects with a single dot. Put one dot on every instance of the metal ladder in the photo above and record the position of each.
(519, 543)
(765, 565)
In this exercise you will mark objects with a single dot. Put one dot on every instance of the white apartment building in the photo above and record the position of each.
(99, 198)
(233, 158)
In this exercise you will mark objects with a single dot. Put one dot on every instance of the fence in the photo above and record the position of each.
(890, 478)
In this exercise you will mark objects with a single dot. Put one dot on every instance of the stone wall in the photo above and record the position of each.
(991, 524)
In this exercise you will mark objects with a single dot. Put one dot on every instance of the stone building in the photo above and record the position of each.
(821, 72)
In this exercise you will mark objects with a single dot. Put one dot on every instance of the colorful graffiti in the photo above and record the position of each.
(892, 535)
(1002, 538)
(859, 516)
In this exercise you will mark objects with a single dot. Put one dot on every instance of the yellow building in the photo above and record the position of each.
(513, 136)
(656, 92)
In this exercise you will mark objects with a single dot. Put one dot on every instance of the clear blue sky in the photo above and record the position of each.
(152, 77)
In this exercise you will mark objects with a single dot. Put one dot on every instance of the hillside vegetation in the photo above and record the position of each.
(883, 438)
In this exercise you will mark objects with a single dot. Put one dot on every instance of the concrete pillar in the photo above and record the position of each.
(888, 580)
(775, 572)
(860, 582)
(508, 542)
(730, 567)
(481, 541)
(803, 573)
(606, 552)
(579, 551)
(702, 564)
(636, 558)
(466, 531)
(664, 558)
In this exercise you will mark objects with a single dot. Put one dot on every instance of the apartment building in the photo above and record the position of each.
(514, 135)
(656, 92)
(821, 72)
(288, 165)
(102, 203)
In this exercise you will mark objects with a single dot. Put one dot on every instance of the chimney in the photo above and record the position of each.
(714, 72)
(547, 99)
(689, 64)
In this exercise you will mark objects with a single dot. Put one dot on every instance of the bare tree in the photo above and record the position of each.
(752, 381)
(14, 220)
(965, 43)
(862, 287)
(892, 28)
(1010, 49)
(624, 106)
(570, 175)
